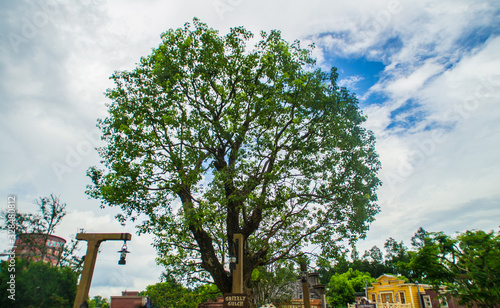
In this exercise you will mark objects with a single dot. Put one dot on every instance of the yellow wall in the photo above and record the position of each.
(387, 284)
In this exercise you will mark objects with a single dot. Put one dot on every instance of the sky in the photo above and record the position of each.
(426, 73)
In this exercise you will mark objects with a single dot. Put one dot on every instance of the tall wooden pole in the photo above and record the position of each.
(238, 271)
(93, 242)
(88, 271)
(305, 286)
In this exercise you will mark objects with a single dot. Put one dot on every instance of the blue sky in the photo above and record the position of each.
(359, 75)
(427, 75)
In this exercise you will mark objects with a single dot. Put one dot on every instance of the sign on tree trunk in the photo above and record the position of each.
(235, 300)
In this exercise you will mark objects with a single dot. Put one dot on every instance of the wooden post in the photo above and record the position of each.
(238, 272)
(305, 286)
(93, 242)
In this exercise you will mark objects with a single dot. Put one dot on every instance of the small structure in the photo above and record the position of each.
(39, 247)
(128, 299)
(316, 294)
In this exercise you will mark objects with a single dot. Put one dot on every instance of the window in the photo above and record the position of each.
(427, 301)
(402, 298)
(386, 298)
(374, 298)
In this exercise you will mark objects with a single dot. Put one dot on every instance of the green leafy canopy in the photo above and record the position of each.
(208, 138)
(468, 265)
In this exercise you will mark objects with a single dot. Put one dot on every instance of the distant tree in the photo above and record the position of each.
(327, 268)
(339, 291)
(341, 288)
(38, 285)
(209, 138)
(469, 265)
(357, 280)
(374, 255)
(52, 211)
(406, 265)
(273, 283)
(170, 293)
(372, 262)
(98, 302)
(397, 255)
(418, 240)
(206, 291)
(343, 263)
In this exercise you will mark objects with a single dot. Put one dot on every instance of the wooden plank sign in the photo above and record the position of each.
(235, 300)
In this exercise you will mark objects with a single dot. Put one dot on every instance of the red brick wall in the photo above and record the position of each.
(30, 246)
(126, 301)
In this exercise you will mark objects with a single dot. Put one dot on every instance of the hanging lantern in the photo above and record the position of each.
(123, 253)
(233, 255)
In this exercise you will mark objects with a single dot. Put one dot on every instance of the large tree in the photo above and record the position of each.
(208, 138)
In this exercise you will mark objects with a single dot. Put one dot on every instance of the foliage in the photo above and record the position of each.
(374, 255)
(469, 265)
(374, 266)
(209, 139)
(273, 283)
(52, 211)
(326, 270)
(340, 290)
(172, 294)
(418, 240)
(38, 284)
(397, 255)
(98, 302)
(206, 291)
(395, 261)
(169, 294)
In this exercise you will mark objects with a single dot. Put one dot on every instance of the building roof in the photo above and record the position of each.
(49, 236)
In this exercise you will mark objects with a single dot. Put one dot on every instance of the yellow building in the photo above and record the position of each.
(389, 290)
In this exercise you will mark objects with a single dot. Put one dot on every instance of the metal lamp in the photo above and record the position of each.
(123, 254)
(233, 255)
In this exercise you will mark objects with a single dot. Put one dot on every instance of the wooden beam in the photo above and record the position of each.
(93, 242)
(104, 236)
(305, 286)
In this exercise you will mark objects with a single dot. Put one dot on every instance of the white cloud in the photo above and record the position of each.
(439, 175)
(350, 82)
